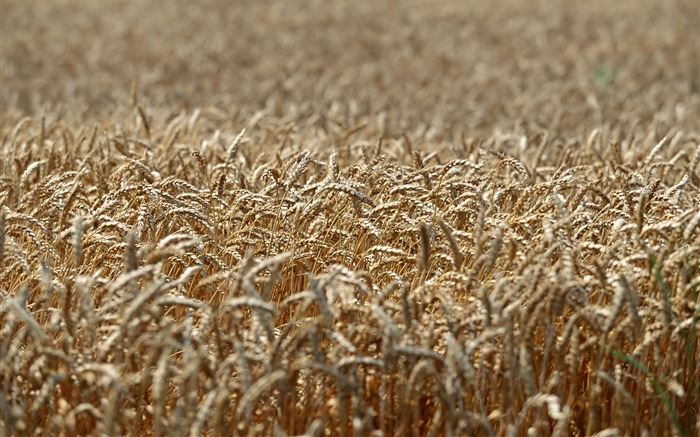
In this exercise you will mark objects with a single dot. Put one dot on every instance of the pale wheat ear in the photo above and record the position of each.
(77, 241)
(233, 148)
(130, 258)
(423, 257)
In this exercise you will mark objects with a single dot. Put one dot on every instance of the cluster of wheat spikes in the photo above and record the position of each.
(155, 287)
(366, 218)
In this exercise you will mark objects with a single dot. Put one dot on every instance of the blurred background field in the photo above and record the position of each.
(429, 69)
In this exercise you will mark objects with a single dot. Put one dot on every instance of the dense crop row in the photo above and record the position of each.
(337, 246)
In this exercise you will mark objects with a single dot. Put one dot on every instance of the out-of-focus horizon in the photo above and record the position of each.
(444, 67)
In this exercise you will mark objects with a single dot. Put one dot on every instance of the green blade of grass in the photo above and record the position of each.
(663, 394)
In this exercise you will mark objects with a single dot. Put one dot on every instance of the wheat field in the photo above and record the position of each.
(362, 218)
